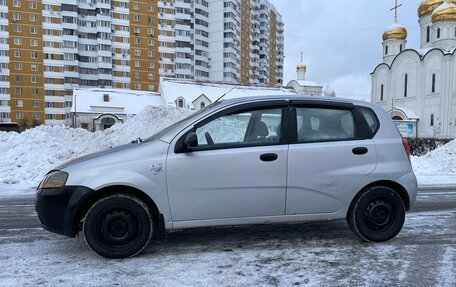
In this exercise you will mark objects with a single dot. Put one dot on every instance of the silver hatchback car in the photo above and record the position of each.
(241, 161)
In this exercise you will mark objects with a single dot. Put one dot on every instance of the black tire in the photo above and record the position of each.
(377, 214)
(118, 226)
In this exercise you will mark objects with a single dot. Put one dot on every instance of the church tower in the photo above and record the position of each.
(394, 39)
(425, 12)
(444, 26)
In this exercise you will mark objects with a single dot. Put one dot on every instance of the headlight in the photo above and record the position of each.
(54, 179)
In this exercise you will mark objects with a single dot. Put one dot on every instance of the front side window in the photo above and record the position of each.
(324, 124)
(246, 128)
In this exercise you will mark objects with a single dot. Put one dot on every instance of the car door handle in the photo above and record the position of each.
(360, 150)
(269, 157)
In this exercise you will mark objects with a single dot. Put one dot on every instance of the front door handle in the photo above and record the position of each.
(269, 157)
(360, 150)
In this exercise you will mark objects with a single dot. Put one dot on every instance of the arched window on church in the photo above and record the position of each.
(202, 105)
(433, 83)
(438, 33)
(381, 92)
(386, 50)
(432, 120)
(428, 34)
(405, 85)
(401, 48)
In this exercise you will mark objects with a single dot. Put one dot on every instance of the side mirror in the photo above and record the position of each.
(191, 141)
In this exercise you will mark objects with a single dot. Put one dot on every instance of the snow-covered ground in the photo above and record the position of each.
(313, 254)
(26, 157)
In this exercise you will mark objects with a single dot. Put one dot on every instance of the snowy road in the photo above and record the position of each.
(315, 254)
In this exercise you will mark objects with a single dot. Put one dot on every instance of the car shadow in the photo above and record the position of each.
(229, 239)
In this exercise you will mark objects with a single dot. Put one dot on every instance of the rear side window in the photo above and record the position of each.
(324, 124)
(371, 119)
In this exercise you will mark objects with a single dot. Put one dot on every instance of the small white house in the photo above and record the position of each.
(99, 109)
(196, 95)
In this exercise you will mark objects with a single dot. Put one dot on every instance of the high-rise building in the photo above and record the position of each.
(50, 47)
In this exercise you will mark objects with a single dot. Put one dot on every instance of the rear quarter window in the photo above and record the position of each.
(371, 119)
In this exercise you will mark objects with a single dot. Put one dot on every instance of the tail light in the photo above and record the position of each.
(406, 147)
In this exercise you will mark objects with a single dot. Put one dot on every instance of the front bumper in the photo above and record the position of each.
(58, 208)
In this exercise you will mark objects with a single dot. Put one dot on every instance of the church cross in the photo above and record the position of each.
(302, 57)
(395, 8)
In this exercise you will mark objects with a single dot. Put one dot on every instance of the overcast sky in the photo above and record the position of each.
(341, 39)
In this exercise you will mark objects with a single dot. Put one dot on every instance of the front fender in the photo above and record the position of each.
(146, 175)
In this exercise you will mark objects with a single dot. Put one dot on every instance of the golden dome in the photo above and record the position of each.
(301, 67)
(445, 12)
(427, 7)
(396, 32)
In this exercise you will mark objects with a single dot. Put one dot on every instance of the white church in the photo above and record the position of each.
(418, 86)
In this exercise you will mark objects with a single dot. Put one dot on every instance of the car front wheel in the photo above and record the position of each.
(377, 214)
(118, 226)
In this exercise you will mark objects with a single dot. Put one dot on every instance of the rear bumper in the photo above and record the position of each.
(57, 208)
(410, 183)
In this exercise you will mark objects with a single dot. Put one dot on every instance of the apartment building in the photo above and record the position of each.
(48, 48)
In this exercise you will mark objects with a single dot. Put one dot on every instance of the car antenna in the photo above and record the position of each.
(236, 86)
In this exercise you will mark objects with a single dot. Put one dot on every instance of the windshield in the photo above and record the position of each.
(166, 130)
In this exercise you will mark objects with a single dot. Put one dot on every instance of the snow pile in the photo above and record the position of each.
(26, 157)
(437, 168)
(442, 161)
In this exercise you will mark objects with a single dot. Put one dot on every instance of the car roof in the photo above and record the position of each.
(292, 97)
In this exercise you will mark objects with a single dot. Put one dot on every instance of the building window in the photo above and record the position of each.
(17, 3)
(433, 83)
(36, 116)
(381, 92)
(386, 50)
(19, 103)
(180, 103)
(438, 33)
(202, 105)
(20, 115)
(405, 85)
(105, 98)
(400, 48)
(428, 34)
(432, 120)
(35, 104)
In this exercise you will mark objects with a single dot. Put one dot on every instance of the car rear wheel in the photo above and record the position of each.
(377, 214)
(118, 226)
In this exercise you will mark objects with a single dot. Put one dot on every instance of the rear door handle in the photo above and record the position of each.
(269, 157)
(360, 150)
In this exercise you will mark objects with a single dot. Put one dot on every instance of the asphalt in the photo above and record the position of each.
(423, 254)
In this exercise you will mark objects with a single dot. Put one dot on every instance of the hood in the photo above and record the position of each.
(96, 155)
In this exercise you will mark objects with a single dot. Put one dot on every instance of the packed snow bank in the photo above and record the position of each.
(27, 156)
(437, 168)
